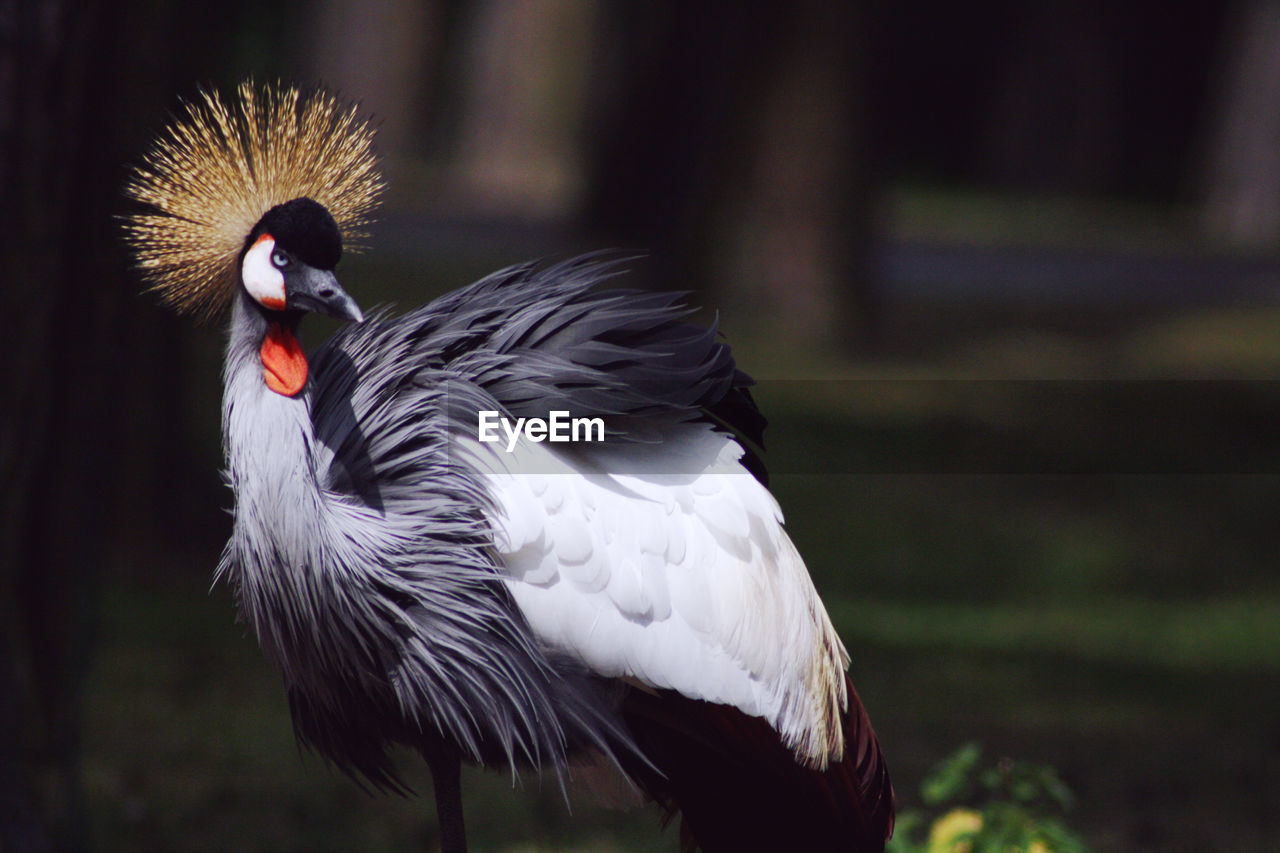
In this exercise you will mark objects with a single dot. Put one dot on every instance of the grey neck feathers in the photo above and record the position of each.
(269, 443)
(281, 511)
(293, 556)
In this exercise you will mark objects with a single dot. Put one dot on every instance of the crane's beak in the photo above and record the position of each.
(310, 289)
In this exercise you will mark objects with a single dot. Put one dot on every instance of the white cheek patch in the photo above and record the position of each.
(264, 282)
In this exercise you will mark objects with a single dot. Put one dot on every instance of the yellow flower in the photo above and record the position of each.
(1038, 847)
(943, 836)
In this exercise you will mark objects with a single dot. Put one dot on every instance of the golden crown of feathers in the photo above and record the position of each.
(217, 169)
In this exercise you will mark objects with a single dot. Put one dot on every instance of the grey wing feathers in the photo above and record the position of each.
(538, 339)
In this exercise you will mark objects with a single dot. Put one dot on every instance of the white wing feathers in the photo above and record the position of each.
(676, 574)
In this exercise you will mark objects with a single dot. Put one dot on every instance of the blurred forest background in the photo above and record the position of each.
(1007, 272)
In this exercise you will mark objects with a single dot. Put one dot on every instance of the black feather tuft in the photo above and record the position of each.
(305, 229)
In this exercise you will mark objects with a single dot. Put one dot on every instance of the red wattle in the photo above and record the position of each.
(284, 365)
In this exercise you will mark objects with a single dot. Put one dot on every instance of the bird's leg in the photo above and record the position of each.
(446, 776)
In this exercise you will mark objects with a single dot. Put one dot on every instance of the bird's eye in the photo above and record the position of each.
(280, 259)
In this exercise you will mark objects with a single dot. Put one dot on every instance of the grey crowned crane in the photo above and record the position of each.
(519, 603)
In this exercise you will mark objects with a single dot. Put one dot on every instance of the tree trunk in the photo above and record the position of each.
(73, 326)
(1242, 176)
(524, 83)
(728, 142)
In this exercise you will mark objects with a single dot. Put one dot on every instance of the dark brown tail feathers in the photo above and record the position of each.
(740, 789)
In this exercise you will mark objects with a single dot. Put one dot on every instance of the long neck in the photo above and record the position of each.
(276, 546)
(267, 436)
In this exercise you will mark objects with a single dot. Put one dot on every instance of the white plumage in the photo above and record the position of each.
(677, 574)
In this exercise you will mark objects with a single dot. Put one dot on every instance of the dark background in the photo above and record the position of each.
(1007, 273)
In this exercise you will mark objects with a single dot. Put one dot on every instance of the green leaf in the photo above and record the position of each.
(905, 827)
(951, 779)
